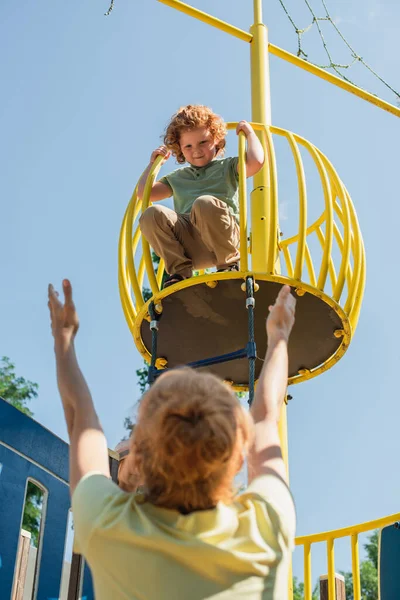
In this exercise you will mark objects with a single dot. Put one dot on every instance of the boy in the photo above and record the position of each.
(203, 229)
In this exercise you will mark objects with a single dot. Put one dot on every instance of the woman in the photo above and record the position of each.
(186, 536)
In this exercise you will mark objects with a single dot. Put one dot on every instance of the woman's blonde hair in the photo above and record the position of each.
(189, 441)
(191, 117)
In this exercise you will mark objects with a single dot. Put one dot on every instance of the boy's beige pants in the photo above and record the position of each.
(208, 236)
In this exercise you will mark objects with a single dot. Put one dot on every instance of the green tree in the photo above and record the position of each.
(372, 548)
(33, 512)
(368, 572)
(16, 390)
(298, 590)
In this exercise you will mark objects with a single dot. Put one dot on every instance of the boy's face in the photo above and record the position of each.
(198, 146)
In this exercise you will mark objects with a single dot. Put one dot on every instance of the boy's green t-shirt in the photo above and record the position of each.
(219, 178)
(139, 551)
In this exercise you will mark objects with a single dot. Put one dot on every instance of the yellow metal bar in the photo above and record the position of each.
(123, 282)
(160, 272)
(130, 254)
(307, 572)
(260, 80)
(331, 266)
(257, 12)
(337, 292)
(328, 199)
(206, 18)
(261, 113)
(243, 202)
(355, 312)
(272, 199)
(288, 261)
(346, 531)
(355, 563)
(341, 83)
(310, 229)
(340, 243)
(145, 244)
(141, 272)
(331, 569)
(264, 201)
(310, 266)
(354, 288)
(128, 310)
(301, 244)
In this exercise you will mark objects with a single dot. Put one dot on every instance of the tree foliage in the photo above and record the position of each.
(33, 512)
(368, 572)
(16, 390)
(298, 590)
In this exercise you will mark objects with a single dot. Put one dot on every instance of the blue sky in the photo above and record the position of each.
(85, 99)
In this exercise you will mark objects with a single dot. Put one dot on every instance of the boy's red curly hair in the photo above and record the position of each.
(189, 441)
(192, 117)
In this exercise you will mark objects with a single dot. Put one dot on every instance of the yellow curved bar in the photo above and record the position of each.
(326, 188)
(293, 239)
(131, 244)
(243, 202)
(288, 261)
(145, 244)
(123, 282)
(340, 243)
(310, 266)
(273, 200)
(331, 266)
(140, 275)
(160, 272)
(337, 292)
(355, 564)
(307, 572)
(331, 569)
(357, 252)
(301, 244)
(355, 311)
(129, 314)
(128, 251)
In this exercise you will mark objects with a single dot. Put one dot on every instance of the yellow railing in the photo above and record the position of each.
(349, 270)
(329, 538)
(324, 258)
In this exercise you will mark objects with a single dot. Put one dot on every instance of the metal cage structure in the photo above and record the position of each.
(331, 275)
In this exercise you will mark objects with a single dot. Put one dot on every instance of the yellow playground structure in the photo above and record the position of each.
(324, 263)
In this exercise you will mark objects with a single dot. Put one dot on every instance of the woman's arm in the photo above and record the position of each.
(265, 455)
(88, 446)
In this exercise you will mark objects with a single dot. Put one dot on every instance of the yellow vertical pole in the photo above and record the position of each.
(261, 113)
(284, 446)
(261, 195)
